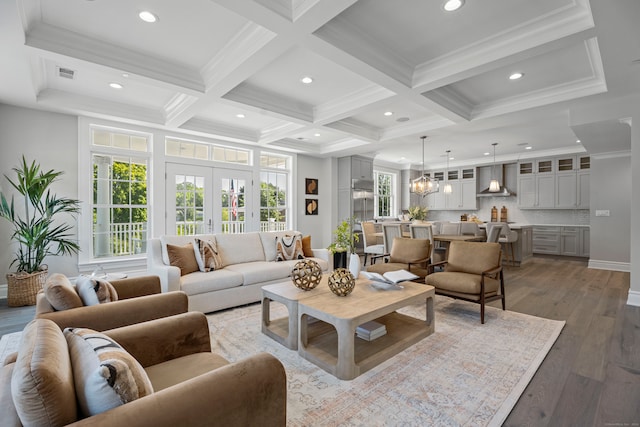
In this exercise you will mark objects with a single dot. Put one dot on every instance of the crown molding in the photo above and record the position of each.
(220, 131)
(89, 106)
(347, 104)
(290, 109)
(177, 105)
(546, 28)
(53, 39)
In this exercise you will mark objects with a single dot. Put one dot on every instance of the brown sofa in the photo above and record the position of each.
(191, 385)
(139, 299)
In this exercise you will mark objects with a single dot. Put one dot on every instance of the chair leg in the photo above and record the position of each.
(365, 259)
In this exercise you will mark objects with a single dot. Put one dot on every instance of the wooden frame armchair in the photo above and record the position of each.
(406, 254)
(472, 273)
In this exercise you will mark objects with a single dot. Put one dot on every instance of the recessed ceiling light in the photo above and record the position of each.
(316, 134)
(147, 16)
(486, 154)
(528, 147)
(125, 75)
(306, 80)
(240, 116)
(516, 76)
(115, 85)
(578, 141)
(452, 5)
(388, 113)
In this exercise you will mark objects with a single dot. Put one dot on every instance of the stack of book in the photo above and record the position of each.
(371, 330)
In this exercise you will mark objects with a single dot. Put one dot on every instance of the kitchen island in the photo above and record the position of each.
(523, 247)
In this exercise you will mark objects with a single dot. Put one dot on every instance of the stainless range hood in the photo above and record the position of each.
(504, 190)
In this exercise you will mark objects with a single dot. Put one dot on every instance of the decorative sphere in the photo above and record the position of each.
(306, 274)
(341, 282)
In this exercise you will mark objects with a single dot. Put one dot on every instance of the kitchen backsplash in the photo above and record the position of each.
(526, 216)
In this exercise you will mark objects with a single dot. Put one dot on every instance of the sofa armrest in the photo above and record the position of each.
(169, 275)
(322, 253)
(136, 286)
(250, 392)
(164, 339)
(120, 313)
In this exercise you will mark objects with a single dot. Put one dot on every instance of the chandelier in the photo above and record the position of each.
(424, 184)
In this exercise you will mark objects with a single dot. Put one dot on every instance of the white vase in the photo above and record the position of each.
(354, 265)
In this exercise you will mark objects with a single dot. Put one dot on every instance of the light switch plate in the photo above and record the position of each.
(603, 212)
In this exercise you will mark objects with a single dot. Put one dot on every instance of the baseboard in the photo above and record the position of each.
(633, 298)
(610, 265)
(3, 291)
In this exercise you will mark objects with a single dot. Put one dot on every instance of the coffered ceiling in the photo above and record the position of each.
(231, 70)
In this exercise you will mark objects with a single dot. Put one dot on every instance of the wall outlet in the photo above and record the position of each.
(603, 212)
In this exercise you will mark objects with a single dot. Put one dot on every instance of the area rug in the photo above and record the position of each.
(465, 374)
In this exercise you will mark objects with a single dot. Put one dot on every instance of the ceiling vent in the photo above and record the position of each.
(66, 73)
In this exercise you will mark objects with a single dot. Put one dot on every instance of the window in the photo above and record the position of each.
(203, 151)
(274, 192)
(384, 202)
(119, 199)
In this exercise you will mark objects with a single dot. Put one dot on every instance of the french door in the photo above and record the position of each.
(207, 200)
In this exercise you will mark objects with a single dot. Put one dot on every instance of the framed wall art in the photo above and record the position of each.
(311, 186)
(311, 207)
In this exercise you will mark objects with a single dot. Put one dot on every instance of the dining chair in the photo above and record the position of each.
(452, 228)
(423, 231)
(470, 228)
(371, 246)
(389, 232)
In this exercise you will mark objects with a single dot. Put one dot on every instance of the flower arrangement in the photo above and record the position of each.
(418, 212)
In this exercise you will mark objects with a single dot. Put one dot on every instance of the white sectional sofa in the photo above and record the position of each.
(249, 262)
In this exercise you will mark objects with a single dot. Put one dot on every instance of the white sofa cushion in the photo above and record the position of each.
(239, 248)
(199, 282)
(262, 271)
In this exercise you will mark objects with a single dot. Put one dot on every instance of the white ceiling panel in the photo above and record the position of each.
(189, 33)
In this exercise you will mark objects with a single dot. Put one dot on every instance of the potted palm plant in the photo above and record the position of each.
(36, 229)
(343, 242)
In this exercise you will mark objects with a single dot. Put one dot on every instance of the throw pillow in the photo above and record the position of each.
(306, 246)
(183, 257)
(60, 292)
(207, 255)
(105, 375)
(94, 291)
(289, 247)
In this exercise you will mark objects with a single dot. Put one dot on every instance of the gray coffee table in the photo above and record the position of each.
(285, 330)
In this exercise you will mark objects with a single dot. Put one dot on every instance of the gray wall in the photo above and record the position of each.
(50, 139)
(318, 226)
(610, 189)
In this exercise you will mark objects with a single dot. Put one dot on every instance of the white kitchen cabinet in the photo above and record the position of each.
(463, 190)
(559, 183)
(572, 182)
(569, 241)
(536, 191)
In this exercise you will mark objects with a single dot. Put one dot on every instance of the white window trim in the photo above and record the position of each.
(395, 190)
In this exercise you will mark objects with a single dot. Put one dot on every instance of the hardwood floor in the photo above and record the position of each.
(591, 376)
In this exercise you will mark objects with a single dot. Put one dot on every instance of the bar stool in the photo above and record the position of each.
(508, 236)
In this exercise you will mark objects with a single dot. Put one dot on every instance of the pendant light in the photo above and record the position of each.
(424, 184)
(447, 187)
(494, 185)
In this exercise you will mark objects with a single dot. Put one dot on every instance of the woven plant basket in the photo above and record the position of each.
(23, 287)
